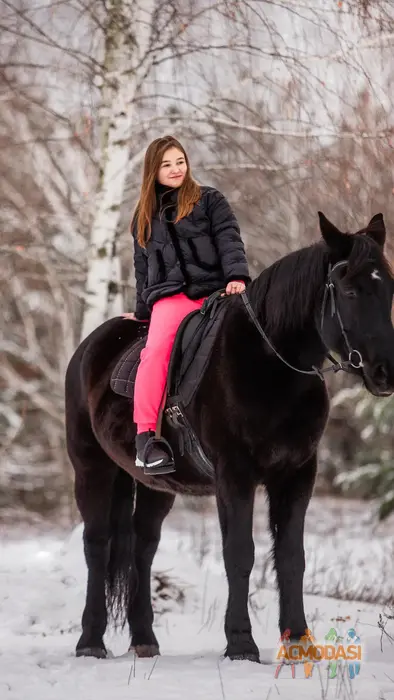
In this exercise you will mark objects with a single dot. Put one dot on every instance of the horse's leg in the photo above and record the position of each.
(235, 499)
(288, 501)
(93, 491)
(150, 511)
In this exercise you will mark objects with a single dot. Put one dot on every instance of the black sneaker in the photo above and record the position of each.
(154, 455)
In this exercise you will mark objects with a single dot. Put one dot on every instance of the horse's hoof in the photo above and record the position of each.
(145, 651)
(96, 652)
(244, 657)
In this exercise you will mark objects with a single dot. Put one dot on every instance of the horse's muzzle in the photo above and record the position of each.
(379, 378)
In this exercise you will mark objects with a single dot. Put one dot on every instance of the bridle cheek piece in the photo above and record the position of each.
(354, 360)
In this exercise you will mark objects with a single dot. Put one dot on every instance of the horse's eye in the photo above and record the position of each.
(350, 293)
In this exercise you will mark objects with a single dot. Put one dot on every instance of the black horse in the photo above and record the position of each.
(260, 412)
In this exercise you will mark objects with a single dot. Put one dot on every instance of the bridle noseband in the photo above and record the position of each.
(330, 291)
(354, 360)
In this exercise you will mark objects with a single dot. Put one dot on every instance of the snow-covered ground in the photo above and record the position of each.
(42, 592)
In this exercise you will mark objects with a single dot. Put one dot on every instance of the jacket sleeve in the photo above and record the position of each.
(226, 234)
(141, 272)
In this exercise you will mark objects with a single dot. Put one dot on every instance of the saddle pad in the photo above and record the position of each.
(123, 377)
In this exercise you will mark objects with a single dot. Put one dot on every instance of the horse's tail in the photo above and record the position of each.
(121, 578)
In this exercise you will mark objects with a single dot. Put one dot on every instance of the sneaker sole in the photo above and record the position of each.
(155, 468)
(157, 471)
(140, 463)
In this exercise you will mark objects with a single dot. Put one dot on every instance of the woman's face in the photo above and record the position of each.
(173, 168)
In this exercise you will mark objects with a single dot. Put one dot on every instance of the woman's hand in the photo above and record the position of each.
(235, 287)
(131, 316)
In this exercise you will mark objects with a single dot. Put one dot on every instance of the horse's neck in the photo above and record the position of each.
(286, 302)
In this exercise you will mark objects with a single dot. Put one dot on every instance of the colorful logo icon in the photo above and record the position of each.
(338, 649)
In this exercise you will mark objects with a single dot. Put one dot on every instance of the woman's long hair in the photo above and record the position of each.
(189, 191)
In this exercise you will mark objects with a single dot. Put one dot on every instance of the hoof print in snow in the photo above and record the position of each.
(145, 651)
(96, 652)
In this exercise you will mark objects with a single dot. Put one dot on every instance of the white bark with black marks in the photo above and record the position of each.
(127, 42)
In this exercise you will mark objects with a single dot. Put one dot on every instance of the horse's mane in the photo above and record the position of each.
(284, 295)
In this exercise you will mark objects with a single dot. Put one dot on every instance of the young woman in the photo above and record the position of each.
(187, 245)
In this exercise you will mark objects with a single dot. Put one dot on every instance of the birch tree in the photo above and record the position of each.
(128, 51)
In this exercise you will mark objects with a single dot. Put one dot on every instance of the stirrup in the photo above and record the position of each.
(156, 468)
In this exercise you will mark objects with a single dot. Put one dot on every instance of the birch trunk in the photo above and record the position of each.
(128, 33)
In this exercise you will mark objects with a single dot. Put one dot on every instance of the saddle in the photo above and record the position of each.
(190, 355)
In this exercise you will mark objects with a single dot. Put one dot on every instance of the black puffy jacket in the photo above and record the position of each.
(197, 256)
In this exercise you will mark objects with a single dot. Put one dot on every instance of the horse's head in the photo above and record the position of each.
(356, 314)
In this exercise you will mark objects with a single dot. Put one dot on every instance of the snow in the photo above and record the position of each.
(42, 593)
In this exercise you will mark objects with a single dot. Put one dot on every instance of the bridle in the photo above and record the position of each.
(354, 360)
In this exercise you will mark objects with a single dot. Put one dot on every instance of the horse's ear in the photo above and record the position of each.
(335, 239)
(377, 230)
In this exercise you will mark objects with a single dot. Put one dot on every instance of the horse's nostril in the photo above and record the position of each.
(380, 374)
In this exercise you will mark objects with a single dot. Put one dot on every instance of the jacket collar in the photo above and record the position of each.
(165, 195)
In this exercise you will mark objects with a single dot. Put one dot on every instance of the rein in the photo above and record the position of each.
(354, 360)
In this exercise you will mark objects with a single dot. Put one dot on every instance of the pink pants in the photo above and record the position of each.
(167, 315)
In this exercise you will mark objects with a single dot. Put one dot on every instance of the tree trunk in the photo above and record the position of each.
(127, 39)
